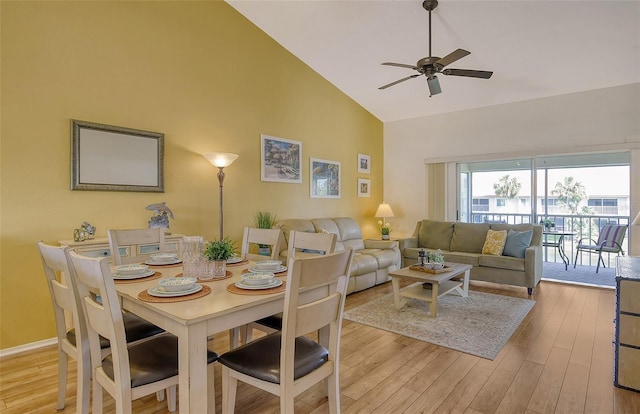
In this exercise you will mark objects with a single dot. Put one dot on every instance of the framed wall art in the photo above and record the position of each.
(364, 187)
(364, 163)
(280, 159)
(112, 158)
(325, 178)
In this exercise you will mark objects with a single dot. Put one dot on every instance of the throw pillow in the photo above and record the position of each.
(494, 243)
(517, 243)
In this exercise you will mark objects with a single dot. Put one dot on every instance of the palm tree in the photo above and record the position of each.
(570, 194)
(508, 187)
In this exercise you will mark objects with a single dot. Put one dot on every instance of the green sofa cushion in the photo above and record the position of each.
(469, 237)
(435, 234)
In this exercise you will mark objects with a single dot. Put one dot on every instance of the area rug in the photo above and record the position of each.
(479, 324)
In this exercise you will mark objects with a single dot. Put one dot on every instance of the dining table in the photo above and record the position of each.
(193, 319)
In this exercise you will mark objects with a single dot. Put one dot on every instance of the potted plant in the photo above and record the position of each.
(264, 220)
(437, 258)
(218, 252)
(385, 229)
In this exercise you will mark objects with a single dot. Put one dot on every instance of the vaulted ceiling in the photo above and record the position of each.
(535, 48)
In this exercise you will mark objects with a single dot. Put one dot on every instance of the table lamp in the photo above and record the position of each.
(384, 211)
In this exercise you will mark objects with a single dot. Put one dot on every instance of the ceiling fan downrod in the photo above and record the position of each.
(430, 5)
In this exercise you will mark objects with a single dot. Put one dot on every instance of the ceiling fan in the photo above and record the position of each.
(432, 65)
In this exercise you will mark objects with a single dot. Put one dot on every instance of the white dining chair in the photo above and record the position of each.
(72, 340)
(131, 371)
(262, 237)
(133, 238)
(288, 362)
(300, 243)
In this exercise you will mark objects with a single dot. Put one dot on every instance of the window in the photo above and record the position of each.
(480, 204)
(501, 202)
(603, 205)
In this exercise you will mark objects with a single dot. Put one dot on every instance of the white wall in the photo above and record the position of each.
(599, 120)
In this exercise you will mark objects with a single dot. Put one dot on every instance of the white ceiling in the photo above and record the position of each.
(535, 48)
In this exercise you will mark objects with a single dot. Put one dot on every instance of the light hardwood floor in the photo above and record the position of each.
(560, 360)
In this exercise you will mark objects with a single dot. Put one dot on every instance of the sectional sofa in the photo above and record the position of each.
(372, 260)
(520, 264)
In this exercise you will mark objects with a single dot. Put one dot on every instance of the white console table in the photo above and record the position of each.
(99, 247)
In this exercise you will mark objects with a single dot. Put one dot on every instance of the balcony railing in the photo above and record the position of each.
(583, 226)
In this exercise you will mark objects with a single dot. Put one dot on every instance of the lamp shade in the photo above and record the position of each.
(636, 221)
(384, 210)
(220, 159)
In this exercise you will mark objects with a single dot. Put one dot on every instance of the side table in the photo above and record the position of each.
(627, 340)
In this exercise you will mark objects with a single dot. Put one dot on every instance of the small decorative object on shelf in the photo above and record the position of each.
(161, 215)
(85, 232)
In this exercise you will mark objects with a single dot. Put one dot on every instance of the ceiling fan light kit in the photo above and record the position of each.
(432, 65)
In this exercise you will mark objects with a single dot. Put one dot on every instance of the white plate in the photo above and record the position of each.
(234, 260)
(275, 283)
(117, 276)
(164, 294)
(168, 262)
(280, 269)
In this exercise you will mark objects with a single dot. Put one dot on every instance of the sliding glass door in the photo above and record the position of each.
(576, 194)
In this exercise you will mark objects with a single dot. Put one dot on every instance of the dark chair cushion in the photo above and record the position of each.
(152, 360)
(273, 321)
(135, 328)
(261, 358)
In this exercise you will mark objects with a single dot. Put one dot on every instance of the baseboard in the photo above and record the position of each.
(27, 347)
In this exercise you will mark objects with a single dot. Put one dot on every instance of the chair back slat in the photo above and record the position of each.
(315, 315)
(134, 238)
(267, 237)
(323, 243)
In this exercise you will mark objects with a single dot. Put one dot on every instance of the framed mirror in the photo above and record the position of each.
(111, 158)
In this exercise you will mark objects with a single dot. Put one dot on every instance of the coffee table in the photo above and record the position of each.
(455, 280)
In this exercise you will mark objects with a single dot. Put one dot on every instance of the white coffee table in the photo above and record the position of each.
(455, 280)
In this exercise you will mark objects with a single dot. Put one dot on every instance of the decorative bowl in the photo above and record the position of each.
(268, 265)
(438, 266)
(257, 279)
(177, 284)
(164, 257)
(132, 269)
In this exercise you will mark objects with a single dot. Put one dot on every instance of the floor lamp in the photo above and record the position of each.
(220, 160)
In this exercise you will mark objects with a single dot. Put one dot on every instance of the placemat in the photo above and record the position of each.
(146, 297)
(166, 265)
(156, 275)
(242, 263)
(284, 272)
(234, 289)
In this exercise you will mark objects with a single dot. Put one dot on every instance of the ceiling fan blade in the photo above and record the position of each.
(398, 81)
(452, 57)
(482, 74)
(402, 65)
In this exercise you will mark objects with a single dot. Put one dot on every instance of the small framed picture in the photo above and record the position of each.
(281, 160)
(364, 163)
(325, 178)
(364, 187)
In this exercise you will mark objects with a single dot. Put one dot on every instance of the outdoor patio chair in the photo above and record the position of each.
(609, 241)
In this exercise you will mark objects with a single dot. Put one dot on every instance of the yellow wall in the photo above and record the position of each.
(196, 71)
